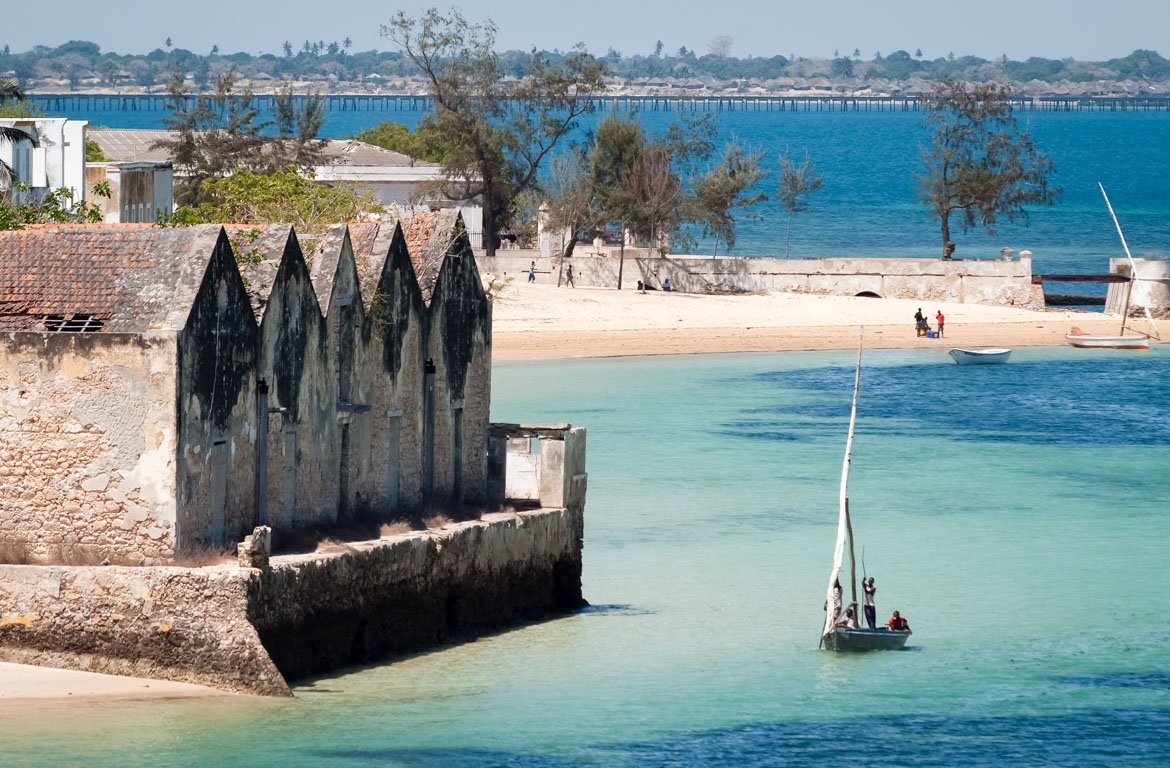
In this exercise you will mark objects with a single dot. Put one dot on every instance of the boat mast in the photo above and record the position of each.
(1132, 271)
(845, 480)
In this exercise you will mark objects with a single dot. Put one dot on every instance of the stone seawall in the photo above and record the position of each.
(1003, 282)
(239, 629)
(185, 624)
(407, 593)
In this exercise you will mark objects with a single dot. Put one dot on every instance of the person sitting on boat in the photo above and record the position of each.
(898, 623)
(849, 620)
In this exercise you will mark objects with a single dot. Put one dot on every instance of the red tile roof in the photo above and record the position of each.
(132, 278)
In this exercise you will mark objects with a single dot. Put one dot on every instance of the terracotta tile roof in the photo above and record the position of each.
(132, 279)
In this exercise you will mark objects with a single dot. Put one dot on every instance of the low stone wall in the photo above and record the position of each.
(239, 629)
(973, 281)
(416, 591)
(186, 624)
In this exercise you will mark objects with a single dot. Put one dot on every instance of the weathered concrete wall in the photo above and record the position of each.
(459, 341)
(973, 281)
(350, 353)
(295, 361)
(233, 628)
(87, 446)
(186, 624)
(217, 411)
(413, 591)
(1151, 289)
(397, 332)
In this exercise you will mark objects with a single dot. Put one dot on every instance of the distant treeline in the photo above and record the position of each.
(80, 63)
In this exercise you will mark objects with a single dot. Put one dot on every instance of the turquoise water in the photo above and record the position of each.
(870, 162)
(1015, 514)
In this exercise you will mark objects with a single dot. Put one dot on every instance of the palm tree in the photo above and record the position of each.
(10, 89)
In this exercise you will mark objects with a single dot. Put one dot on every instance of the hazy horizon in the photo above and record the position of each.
(1074, 29)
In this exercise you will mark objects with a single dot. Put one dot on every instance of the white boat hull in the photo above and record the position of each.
(994, 356)
(1085, 341)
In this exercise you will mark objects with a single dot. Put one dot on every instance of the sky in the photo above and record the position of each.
(1091, 31)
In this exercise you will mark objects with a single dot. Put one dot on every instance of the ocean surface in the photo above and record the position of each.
(1016, 514)
(870, 162)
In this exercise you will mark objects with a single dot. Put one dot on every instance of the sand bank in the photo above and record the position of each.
(20, 683)
(533, 321)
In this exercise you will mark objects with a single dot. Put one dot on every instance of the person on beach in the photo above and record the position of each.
(870, 611)
(940, 318)
(532, 273)
(569, 277)
(920, 322)
(898, 622)
(666, 285)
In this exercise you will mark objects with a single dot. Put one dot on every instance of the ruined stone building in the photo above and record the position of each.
(163, 391)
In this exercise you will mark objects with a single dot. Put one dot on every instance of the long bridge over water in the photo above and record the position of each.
(341, 102)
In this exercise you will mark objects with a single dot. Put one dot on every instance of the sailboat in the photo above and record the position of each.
(834, 637)
(1082, 340)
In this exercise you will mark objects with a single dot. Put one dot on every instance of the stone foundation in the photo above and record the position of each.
(250, 630)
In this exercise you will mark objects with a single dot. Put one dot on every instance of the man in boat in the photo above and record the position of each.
(898, 623)
(849, 620)
(870, 611)
(836, 606)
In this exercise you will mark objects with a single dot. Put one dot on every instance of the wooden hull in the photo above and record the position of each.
(1084, 341)
(846, 640)
(980, 356)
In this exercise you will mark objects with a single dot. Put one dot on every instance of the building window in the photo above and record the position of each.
(71, 323)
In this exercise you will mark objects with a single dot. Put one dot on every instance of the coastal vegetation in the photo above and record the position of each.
(980, 163)
(216, 134)
(333, 65)
(494, 149)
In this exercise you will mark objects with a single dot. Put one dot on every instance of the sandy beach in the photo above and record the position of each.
(21, 684)
(534, 322)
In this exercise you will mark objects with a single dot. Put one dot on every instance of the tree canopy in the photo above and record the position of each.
(498, 129)
(980, 163)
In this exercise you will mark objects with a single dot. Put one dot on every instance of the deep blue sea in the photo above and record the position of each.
(870, 162)
(1016, 514)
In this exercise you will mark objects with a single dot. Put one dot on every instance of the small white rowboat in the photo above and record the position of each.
(992, 356)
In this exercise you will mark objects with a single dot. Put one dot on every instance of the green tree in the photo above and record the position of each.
(216, 134)
(726, 187)
(10, 91)
(980, 162)
(499, 132)
(422, 144)
(616, 145)
(287, 196)
(797, 181)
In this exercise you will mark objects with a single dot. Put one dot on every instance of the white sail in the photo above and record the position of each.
(843, 513)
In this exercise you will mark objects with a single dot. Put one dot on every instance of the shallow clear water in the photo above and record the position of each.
(1016, 514)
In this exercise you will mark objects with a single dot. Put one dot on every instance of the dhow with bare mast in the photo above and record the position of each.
(834, 636)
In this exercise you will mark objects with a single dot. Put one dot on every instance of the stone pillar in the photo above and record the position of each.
(256, 548)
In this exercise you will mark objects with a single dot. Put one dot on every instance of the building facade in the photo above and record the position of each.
(162, 390)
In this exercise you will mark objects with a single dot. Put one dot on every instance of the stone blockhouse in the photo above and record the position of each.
(162, 390)
(126, 378)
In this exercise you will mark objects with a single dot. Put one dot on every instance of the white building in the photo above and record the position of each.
(52, 158)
